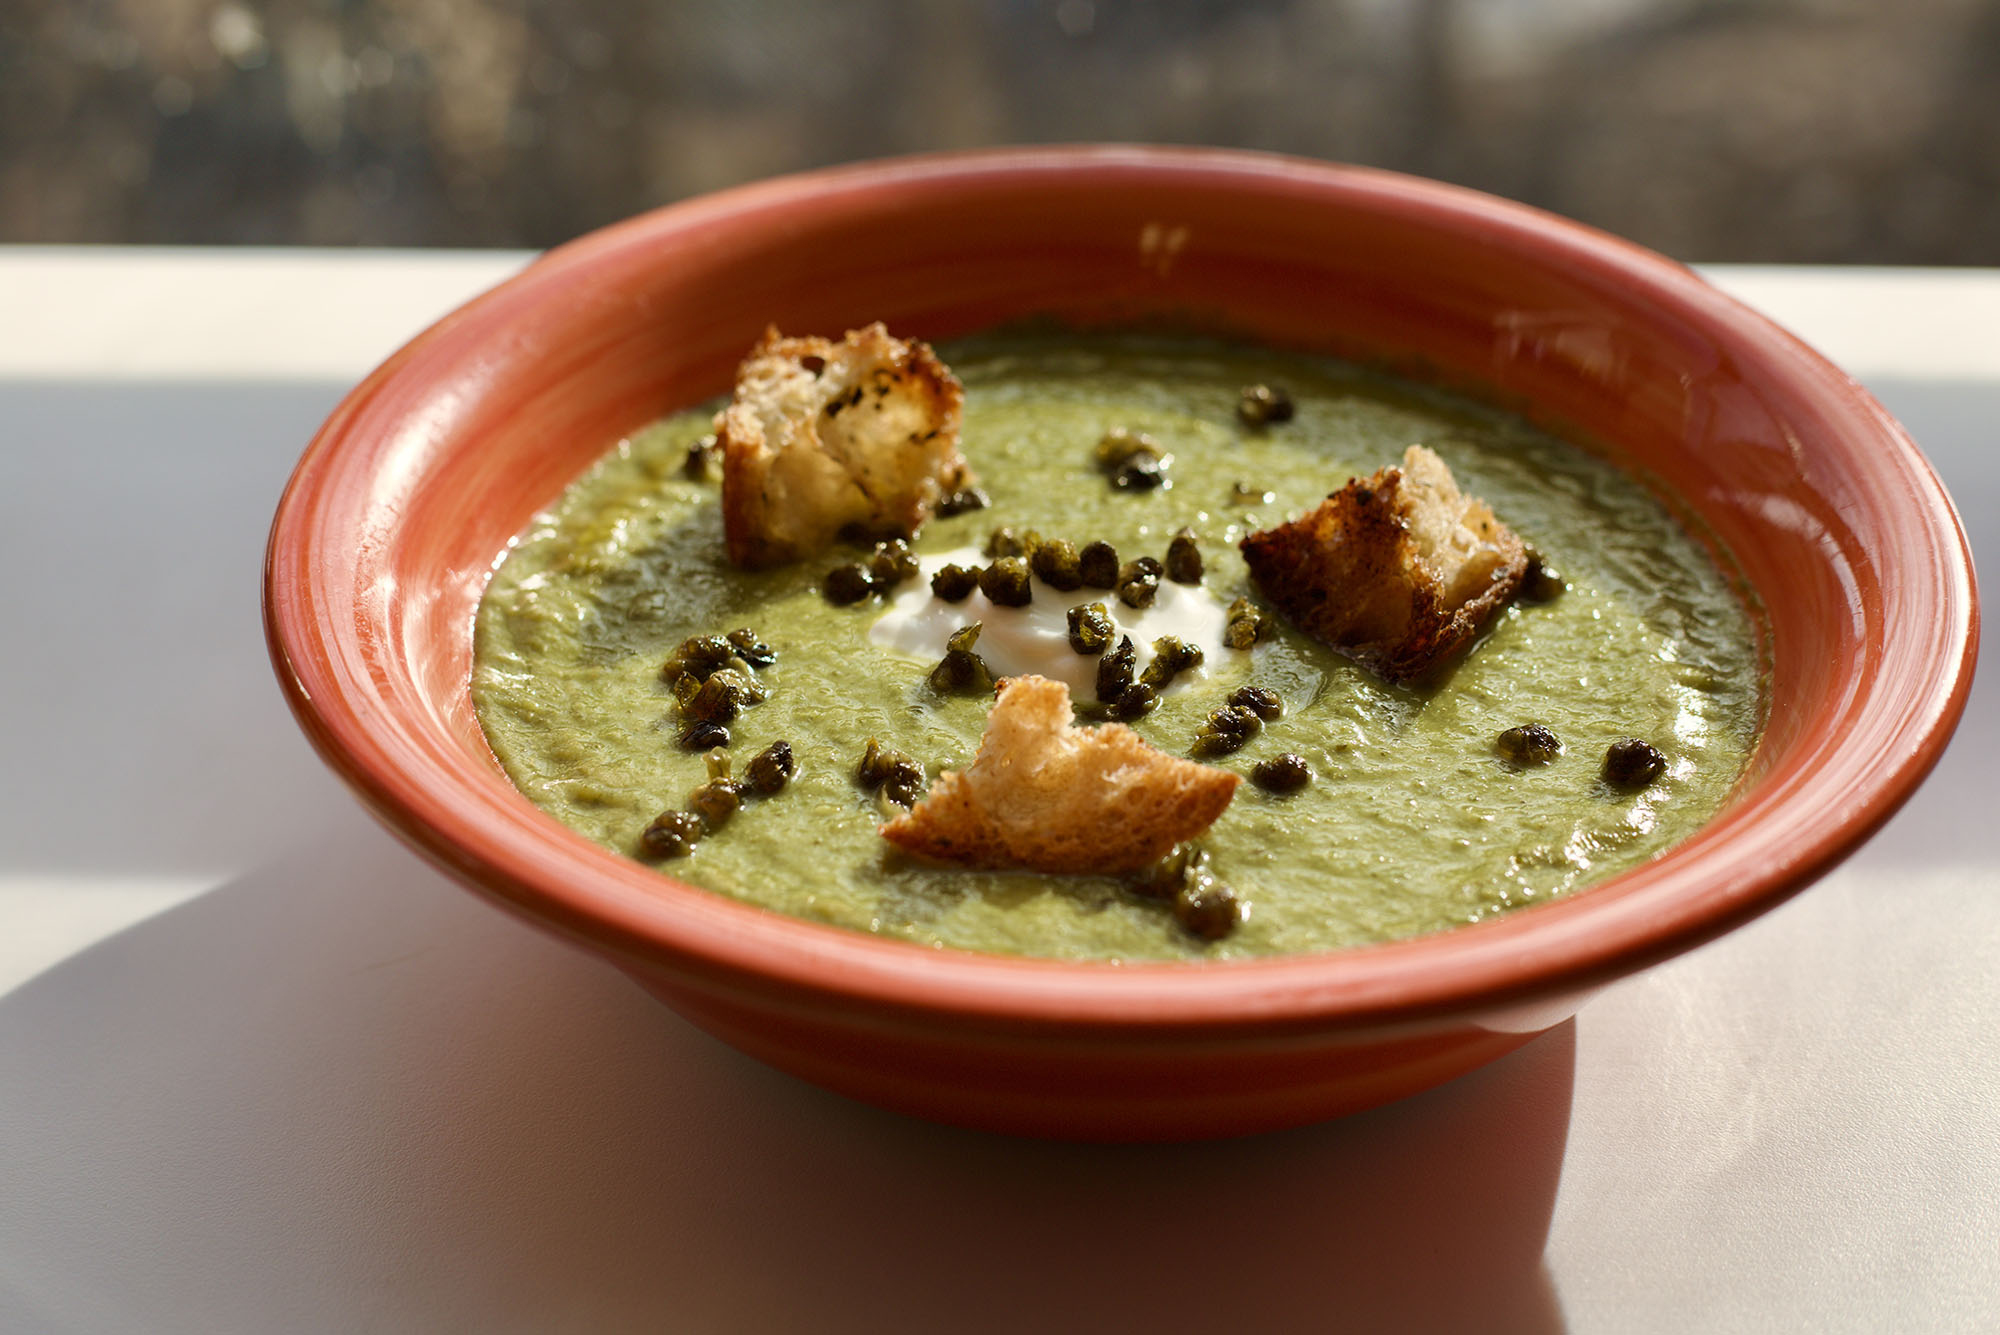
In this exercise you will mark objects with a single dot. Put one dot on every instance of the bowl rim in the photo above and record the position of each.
(1702, 887)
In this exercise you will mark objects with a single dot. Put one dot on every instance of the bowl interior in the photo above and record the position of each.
(1841, 534)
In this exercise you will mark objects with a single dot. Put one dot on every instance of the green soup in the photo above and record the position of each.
(1413, 823)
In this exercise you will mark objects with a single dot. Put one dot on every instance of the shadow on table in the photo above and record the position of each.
(341, 1093)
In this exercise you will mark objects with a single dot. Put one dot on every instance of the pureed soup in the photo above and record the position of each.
(1414, 821)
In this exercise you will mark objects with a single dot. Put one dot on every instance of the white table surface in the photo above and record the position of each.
(261, 1070)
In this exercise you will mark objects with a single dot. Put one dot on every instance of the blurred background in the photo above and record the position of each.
(1849, 131)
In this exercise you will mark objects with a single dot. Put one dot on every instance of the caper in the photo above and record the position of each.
(904, 784)
(696, 657)
(703, 735)
(1529, 744)
(965, 636)
(1245, 625)
(1143, 472)
(1057, 565)
(962, 670)
(1171, 656)
(875, 763)
(715, 802)
(771, 769)
(699, 456)
(751, 649)
(1119, 446)
(1184, 558)
(1261, 700)
(1098, 564)
(890, 770)
(1164, 878)
(1207, 908)
(672, 834)
(891, 563)
(963, 500)
(1261, 405)
(1138, 700)
(1226, 729)
(717, 762)
(1286, 773)
(1115, 669)
(955, 583)
(1004, 541)
(1090, 628)
(1543, 583)
(1005, 582)
(1632, 764)
(847, 584)
(1139, 589)
(714, 701)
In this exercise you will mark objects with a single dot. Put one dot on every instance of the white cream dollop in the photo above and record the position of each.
(1035, 639)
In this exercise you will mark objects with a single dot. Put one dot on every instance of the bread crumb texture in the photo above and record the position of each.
(824, 436)
(1399, 570)
(1044, 795)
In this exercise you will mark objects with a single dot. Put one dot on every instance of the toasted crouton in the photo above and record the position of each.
(1398, 570)
(822, 436)
(1047, 796)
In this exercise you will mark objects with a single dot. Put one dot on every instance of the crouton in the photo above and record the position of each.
(1398, 571)
(1044, 795)
(824, 436)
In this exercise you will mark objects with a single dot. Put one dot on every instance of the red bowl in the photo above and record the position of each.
(393, 521)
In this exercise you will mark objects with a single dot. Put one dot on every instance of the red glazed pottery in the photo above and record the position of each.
(393, 521)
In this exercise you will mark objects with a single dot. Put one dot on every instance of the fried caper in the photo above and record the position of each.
(771, 769)
(1631, 764)
(1184, 558)
(1115, 669)
(1139, 582)
(702, 735)
(876, 761)
(847, 584)
(715, 802)
(955, 583)
(1142, 472)
(891, 563)
(905, 783)
(1286, 773)
(700, 458)
(1098, 564)
(1090, 628)
(1057, 565)
(1138, 700)
(1207, 908)
(1119, 446)
(1244, 625)
(1164, 878)
(722, 696)
(1004, 541)
(1529, 744)
(1262, 405)
(1263, 701)
(963, 500)
(696, 657)
(1171, 656)
(1005, 583)
(673, 834)
(1226, 729)
(1543, 583)
(751, 649)
(961, 670)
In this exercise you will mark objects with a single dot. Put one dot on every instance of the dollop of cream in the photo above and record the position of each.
(1035, 639)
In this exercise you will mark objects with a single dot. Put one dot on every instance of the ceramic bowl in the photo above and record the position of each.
(1850, 548)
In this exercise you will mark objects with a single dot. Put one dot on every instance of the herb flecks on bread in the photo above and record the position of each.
(1044, 795)
(824, 436)
(1399, 570)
